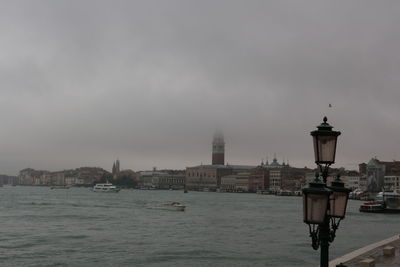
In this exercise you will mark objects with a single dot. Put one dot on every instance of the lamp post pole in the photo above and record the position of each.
(324, 239)
(324, 229)
(324, 207)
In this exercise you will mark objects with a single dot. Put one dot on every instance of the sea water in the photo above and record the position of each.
(77, 227)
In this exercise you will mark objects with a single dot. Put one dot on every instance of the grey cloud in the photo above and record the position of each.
(149, 81)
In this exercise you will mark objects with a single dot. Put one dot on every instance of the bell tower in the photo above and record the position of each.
(218, 149)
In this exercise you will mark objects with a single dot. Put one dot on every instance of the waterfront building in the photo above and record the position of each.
(30, 177)
(242, 182)
(375, 175)
(363, 183)
(52, 178)
(292, 179)
(259, 179)
(228, 183)
(6, 179)
(208, 177)
(72, 180)
(374, 172)
(273, 177)
(392, 182)
(351, 180)
(236, 169)
(168, 179)
(284, 177)
(362, 168)
(149, 179)
(83, 175)
(235, 182)
(391, 167)
(203, 177)
(128, 173)
(90, 174)
(172, 181)
(274, 174)
(275, 180)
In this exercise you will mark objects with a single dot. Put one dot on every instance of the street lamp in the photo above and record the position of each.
(324, 146)
(338, 202)
(324, 207)
(315, 202)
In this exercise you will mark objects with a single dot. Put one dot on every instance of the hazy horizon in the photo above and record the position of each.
(86, 82)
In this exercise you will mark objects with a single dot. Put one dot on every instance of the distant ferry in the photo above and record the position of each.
(106, 188)
(390, 200)
(387, 201)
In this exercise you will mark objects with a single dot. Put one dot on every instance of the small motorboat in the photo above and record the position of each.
(59, 187)
(174, 206)
(372, 207)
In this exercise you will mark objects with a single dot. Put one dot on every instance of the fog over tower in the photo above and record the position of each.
(218, 149)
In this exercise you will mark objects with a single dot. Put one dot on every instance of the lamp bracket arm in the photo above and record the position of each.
(314, 234)
(334, 227)
(324, 169)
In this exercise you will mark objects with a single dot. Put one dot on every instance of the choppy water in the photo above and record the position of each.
(76, 227)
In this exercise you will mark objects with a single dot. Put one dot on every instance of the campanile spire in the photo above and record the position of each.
(218, 149)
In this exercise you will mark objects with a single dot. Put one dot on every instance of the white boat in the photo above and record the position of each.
(106, 188)
(174, 206)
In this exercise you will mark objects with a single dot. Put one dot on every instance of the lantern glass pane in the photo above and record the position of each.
(315, 139)
(326, 146)
(338, 203)
(317, 205)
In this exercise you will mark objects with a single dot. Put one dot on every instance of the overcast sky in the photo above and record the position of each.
(85, 82)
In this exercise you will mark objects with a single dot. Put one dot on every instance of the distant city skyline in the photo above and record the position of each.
(264, 162)
(148, 82)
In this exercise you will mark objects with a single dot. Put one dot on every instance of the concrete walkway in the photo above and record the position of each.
(384, 253)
